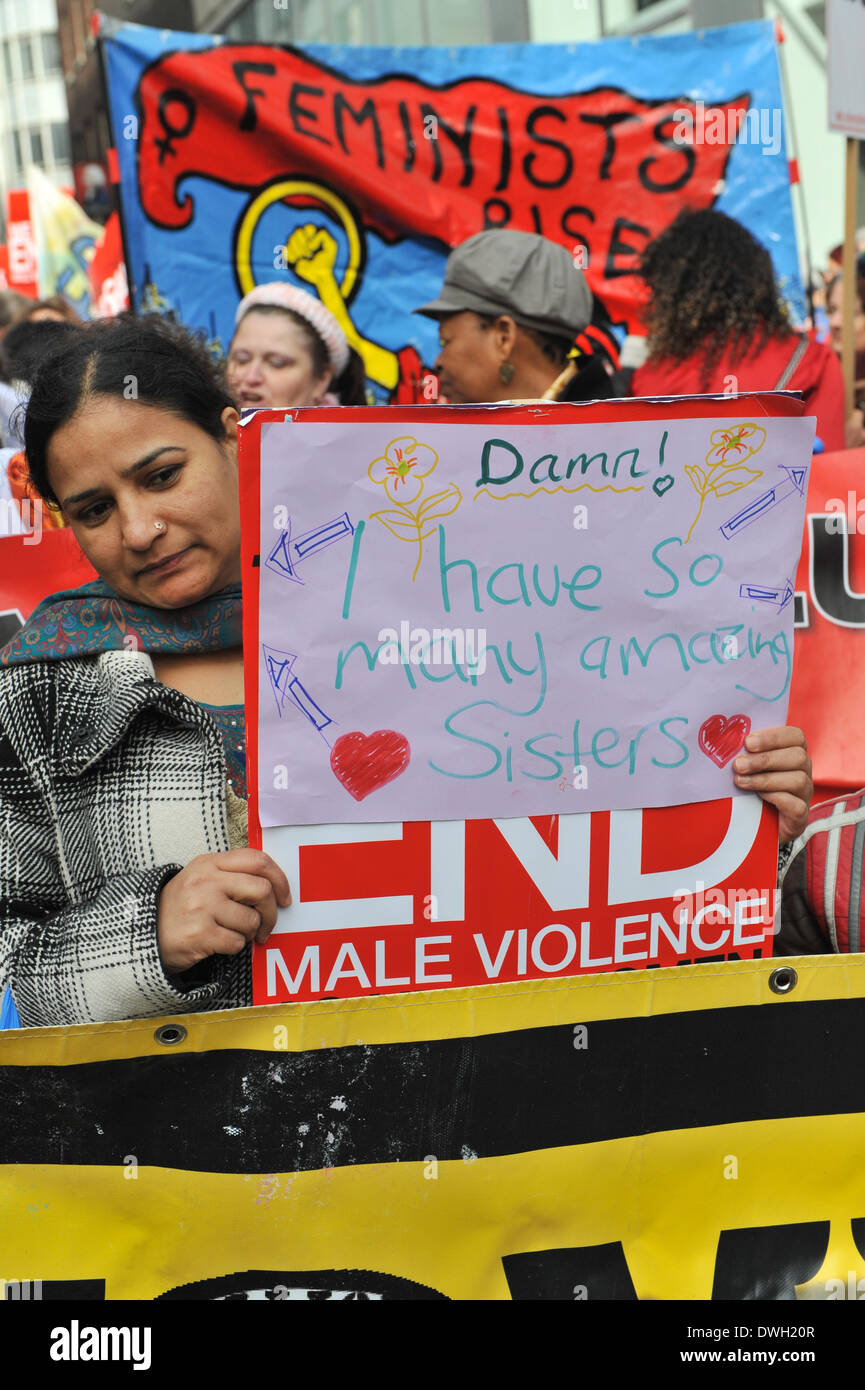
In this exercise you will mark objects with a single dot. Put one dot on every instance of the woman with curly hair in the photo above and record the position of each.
(716, 322)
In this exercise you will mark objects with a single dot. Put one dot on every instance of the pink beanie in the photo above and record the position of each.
(284, 296)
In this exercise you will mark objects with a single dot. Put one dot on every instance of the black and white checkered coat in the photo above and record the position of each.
(110, 782)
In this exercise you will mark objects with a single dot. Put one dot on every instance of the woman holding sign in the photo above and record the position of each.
(126, 887)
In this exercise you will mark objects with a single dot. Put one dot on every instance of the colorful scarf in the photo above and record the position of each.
(94, 619)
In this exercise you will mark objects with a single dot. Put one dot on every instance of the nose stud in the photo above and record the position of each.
(159, 525)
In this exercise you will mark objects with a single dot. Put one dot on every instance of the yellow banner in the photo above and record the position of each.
(667, 1134)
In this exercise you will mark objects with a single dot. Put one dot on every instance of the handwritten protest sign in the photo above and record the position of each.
(461, 617)
(419, 904)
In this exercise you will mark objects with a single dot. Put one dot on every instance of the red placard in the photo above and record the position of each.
(829, 650)
(109, 287)
(33, 566)
(463, 903)
(21, 244)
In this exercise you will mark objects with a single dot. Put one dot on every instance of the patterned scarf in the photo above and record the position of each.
(93, 619)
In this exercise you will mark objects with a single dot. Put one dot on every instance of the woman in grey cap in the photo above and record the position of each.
(510, 308)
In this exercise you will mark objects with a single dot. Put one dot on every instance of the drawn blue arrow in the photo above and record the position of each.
(765, 593)
(287, 554)
(287, 687)
(796, 479)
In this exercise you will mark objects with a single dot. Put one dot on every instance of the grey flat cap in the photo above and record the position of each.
(517, 273)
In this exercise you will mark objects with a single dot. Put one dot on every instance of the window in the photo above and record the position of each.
(509, 21)
(243, 27)
(452, 22)
(393, 23)
(16, 155)
(7, 61)
(347, 22)
(273, 22)
(399, 25)
(36, 153)
(51, 60)
(311, 18)
(25, 48)
(60, 142)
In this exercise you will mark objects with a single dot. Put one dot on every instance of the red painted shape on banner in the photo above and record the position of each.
(363, 763)
(502, 158)
(721, 738)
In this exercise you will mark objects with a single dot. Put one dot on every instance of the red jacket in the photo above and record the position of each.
(818, 377)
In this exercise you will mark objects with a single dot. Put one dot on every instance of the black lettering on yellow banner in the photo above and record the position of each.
(680, 1133)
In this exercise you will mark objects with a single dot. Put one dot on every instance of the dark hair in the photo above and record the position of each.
(554, 348)
(713, 290)
(55, 302)
(26, 344)
(12, 306)
(149, 360)
(350, 386)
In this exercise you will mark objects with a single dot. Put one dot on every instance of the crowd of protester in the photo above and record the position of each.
(127, 887)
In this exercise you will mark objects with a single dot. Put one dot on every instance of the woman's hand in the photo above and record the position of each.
(777, 766)
(218, 903)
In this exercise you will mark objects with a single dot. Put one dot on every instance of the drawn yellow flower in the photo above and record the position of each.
(402, 468)
(401, 472)
(725, 472)
(735, 443)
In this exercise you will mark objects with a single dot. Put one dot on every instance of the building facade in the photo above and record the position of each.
(89, 130)
(389, 22)
(34, 126)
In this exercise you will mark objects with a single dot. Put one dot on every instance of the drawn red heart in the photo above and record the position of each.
(363, 763)
(721, 738)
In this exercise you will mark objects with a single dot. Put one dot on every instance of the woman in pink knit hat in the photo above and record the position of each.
(289, 350)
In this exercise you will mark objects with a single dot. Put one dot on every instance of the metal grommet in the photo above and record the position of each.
(783, 980)
(170, 1033)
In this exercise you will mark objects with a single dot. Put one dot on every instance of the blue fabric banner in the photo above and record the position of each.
(350, 172)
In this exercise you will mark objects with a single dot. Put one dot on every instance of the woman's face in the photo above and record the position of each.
(467, 365)
(833, 309)
(118, 467)
(270, 364)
